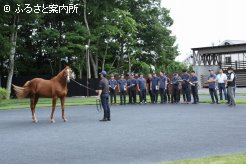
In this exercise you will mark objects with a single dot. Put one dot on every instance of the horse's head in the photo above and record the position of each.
(68, 74)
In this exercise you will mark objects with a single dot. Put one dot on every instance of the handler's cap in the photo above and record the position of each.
(210, 70)
(132, 74)
(103, 73)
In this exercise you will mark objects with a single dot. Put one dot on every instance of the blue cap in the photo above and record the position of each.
(103, 73)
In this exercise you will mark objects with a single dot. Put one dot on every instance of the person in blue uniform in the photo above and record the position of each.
(103, 94)
(194, 87)
(148, 81)
(186, 87)
(142, 89)
(131, 85)
(122, 83)
(167, 92)
(212, 86)
(176, 88)
(162, 86)
(154, 88)
(112, 87)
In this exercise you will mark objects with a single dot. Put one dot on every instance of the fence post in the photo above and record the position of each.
(236, 64)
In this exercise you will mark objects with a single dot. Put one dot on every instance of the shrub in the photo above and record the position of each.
(3, 93)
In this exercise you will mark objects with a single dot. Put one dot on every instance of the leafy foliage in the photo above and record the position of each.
(124, 36)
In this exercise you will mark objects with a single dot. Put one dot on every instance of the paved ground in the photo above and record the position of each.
(136, 134)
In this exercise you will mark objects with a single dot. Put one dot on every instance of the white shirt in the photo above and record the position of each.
(221, 78)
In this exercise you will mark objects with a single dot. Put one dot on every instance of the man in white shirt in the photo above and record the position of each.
(221, 79)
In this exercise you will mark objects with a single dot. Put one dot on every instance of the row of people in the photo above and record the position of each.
(154, 85)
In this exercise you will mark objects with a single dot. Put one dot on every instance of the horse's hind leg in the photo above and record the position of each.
(53, 109)
(63, 108)
(33, 102)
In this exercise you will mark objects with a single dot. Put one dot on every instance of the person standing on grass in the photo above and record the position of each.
(212, 86)
(103, 94)
(221, 80)
(148, 81)
(112, 87)
(167, 92)
(131, 85)
(162, 86)
(231, 82)
(122, 89)
(175, 88)
(154, 86)
(186, 87)
(194, 87)
(142, 89)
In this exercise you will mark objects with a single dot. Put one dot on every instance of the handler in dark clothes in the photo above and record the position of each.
(103, 94)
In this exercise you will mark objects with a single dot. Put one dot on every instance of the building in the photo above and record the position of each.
(230, 53)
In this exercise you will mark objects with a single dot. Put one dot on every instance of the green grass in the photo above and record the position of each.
(238, 101)
(227, 159)
(45, 102)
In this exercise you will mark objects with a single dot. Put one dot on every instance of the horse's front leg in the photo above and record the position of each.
(63, 108)
(53, 109)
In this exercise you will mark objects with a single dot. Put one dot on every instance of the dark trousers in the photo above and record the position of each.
(142, 95)
(186, 93)
(167, 95)
(122, 97)
(154, 95)
(112, 95)
(222, 87)
(105, 105)
(132, 96)
(175, 94)
(213, 94)
(151, 96)
(194, 92)
(162, 94)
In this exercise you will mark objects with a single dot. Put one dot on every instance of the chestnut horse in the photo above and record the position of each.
(53, 88)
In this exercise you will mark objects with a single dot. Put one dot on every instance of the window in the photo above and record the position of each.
(227, 60)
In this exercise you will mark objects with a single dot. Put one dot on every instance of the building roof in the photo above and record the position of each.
(231, 42)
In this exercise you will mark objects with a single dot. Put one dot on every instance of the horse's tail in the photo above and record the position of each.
(21, 92)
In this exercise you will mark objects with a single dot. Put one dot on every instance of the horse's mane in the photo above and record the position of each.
(60, 74)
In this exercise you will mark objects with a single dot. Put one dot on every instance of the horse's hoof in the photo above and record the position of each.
(52, 121)
(65, 120)
(35, 121)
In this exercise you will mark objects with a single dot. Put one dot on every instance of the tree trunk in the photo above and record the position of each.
(13, 39)
(94, 65)
(88, 43)
(104, 57)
